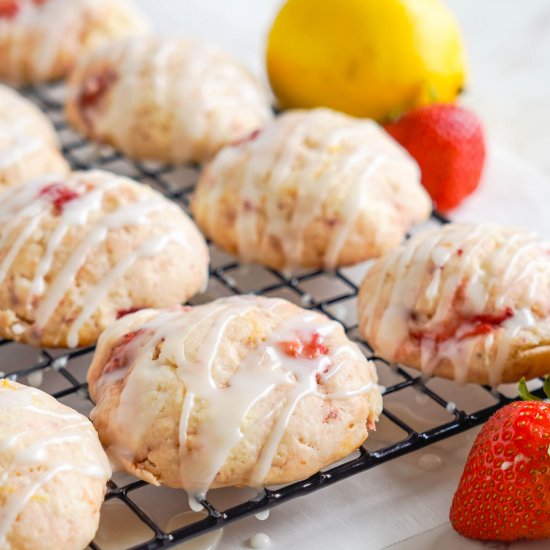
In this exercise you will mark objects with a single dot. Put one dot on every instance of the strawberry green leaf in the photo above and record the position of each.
(546, 386)
(525, 394)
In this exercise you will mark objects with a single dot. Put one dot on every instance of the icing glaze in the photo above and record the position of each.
(260, 541)
(262, 516)
(430, 462)
(17, 142)
(28, 449)
(24, 208)
(481, 280)
(325, 165)
(142, 356)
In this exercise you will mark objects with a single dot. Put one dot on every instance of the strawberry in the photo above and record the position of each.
(448, 143)
(504, 493)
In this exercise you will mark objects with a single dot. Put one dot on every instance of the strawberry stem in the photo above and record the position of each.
(526, 395)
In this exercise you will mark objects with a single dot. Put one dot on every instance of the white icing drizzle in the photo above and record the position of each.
(132, 214)
(354, 202)
(31, 448)
(117, 119)
(75, 213)
(342, 165)
(507, 276)
(151, 247)
(17, 142)
(20, 240)
(203, 94)
(21, 212)
(265, 367)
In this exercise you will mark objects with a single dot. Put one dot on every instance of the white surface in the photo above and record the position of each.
(400, 504)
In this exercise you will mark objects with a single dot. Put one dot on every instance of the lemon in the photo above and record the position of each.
(369, 58)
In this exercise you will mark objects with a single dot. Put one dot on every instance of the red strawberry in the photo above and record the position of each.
(447, 142)
(504, 493)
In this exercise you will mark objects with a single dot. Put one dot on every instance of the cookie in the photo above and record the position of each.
(79, 252)
(170, 100)
(465, 302)
(314, 188)
(243, 391)
(41, 40)
(28, 144)
(53, 472)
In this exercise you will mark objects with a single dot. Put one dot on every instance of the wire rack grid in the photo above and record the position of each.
(62, 373)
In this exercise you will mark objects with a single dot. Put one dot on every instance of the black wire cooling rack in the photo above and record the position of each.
(63, 373)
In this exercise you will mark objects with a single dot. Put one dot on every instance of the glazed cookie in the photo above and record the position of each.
(166, 100)
(313, 188)
(241, 391)
(53, 472)
(42, 39)
(471, 303)
(28, 144)
(77, 253)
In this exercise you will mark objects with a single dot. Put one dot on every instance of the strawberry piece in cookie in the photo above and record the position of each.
(485, 324)
(250, 137)
(59, 195)
(464, 327)
(93, 91)
(123, 312)
(121, 353)
(302, 349)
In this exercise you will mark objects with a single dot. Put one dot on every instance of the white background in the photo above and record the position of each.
(400, 505)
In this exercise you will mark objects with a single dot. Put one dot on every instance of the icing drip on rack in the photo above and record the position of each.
(39, 455)
(333, 178)
(489, 292)
(294, 356)
(75, 202)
